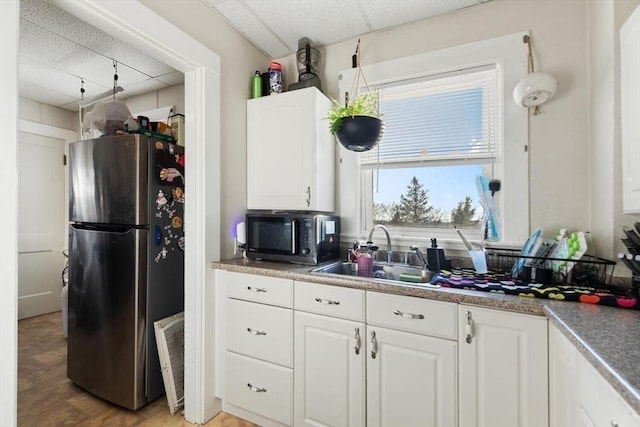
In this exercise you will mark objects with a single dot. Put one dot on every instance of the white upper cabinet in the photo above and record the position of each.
(290, 152)
(629, 111)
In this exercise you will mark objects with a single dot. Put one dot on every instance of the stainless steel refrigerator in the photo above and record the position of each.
(126, 262)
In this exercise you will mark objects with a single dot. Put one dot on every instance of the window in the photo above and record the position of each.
(438, 130)
(449, 120)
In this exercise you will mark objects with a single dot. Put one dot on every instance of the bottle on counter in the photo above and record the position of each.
(256, 85)
(275, 78)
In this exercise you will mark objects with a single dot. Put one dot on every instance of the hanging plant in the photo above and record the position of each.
(357, 124)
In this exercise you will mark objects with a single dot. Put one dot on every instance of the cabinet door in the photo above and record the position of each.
(600, 404)
(290, 153)
(329, 372)
(502, 368)
(411, 379)
(563, 381)
(629, 111)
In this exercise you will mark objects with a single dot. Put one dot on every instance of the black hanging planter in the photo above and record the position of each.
(360, 133)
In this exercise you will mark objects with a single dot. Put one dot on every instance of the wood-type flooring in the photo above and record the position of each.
(46, 397)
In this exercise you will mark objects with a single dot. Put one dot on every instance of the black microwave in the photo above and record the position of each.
(301, 238)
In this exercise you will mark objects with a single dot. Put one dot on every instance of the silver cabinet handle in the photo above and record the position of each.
(254, 289)
(327, 301)
(468, 327)
(256, 389)
(357, 339)
(408, 315)
(256, 332)
(374, 345)
(308, 196)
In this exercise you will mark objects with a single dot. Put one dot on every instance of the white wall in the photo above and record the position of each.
(46, 114)
(172, 95)
(239, 59)
(559, 187)
(560, 154)
(573, 183)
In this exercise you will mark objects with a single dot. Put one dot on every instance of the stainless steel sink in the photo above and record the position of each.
(381, 271)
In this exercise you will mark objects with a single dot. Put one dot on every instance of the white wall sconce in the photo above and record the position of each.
(535, 88)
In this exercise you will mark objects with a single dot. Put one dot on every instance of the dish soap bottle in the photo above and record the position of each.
(436, 259)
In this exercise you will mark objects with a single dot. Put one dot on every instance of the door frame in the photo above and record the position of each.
(201, 67)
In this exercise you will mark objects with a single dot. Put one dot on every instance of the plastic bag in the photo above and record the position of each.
(109, 116)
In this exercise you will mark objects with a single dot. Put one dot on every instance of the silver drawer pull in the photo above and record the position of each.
(468, 327)
(253, 289)
(256, 389)
(374, 345)
(256, 332)
(408, 315)
(327, 301)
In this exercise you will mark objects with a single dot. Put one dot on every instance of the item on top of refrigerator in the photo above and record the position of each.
(177, 128)
(108, 117)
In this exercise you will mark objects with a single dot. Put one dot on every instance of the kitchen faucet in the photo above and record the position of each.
(418, 253)
(386, 232)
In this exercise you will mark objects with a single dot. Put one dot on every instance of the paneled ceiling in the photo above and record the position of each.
(275, 26)
(58, 50)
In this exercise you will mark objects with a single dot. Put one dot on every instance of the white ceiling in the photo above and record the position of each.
(274, 26)
(57, 50)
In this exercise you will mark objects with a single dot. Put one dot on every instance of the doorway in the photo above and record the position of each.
(41, 202)
(202, 131)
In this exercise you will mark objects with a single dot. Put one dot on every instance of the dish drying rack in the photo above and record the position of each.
(587, 272)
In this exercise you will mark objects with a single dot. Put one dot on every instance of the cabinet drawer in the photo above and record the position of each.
(263, 289)
(261, 331)
(260, 387)
(330, 300)
(423, 316)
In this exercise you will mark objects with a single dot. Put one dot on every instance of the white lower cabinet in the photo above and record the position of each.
(261, 387)
(411, 379)
(307, 354)
(580, 396)
(329, 378)
(258, 344)
(349, 375)
(502, 368)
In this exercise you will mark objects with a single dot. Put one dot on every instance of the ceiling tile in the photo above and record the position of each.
(43, 94)
(252, 26)
(381, 14)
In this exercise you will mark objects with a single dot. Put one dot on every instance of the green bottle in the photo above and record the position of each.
(256, 87)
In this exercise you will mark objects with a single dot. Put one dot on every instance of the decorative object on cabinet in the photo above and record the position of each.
(308, 58)
(357, 124)
(536, 87)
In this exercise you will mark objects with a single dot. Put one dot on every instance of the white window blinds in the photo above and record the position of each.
(447, 119)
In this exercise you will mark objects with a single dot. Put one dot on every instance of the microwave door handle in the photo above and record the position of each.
(294, 226)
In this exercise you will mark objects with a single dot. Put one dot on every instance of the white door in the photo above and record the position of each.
(503, 368)
(329, 372)
(411, 380)
(41, 227)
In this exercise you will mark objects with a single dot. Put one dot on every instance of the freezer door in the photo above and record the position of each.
(109, 180)
(107, 313)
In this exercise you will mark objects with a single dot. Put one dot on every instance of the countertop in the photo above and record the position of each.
(608, 337)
